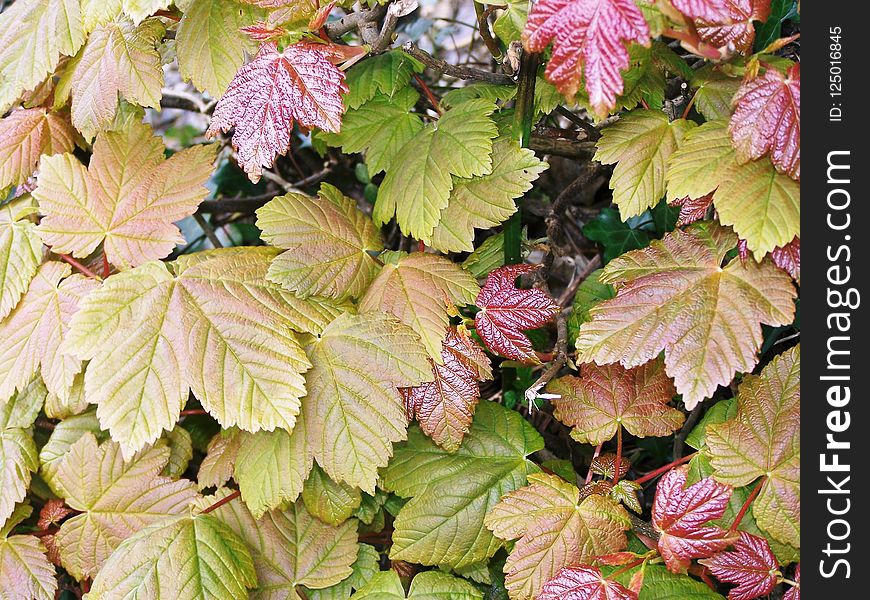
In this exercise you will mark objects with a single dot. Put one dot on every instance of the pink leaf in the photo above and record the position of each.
(272, 92)
(692, 209)
(767, 112)
(680, 513)
(709, 10)
(583, 583)
(788, 258)
(506, 311)
(795, 592)
(737, 31)
(589, 38)
(751, 565)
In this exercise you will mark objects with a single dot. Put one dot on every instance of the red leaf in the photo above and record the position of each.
(679, 513)
(788, 258)
(709, 10)
(583, 583)
(272, 92)
(751, 565)
(506, 311)
(589, 38)
(54, 511)
(692, 209)
(444, 407)
(795, 592)
(262, 31)
(767, 112)
(737, 31)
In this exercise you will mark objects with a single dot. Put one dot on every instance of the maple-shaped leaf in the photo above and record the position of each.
(788, 258)
(421, 290)
(119, 59)
(64, 435)
(212, 325)
(329, 243)
(210, 44)
(34, 34)
(35, 328)
(451, 493)
(366, 567)
(359, 362)
(692, 209)
(699, 165)
(737, 31)
(486, 201)
(506, 311)
(763, 440)
(625, 492)
(589, 38)
(217, 466)
(444, 407)
(648, 314)
(379, 128)
(710, 10)
(127, 198)
(640, 144)
(331, 502)
(139, 10)
(115, 499)
(767, 113)
(387, 74)
(750, 565)
(429, 585)
(271, 466)
(555, 528)
(714, 91)
(205, 557)
(272, 92)
(17, 449)
(608, 397)
(291, 548)
(25, 571)
(605, 465)
(53, 512)
(794, 593)
(26, 135)
(583, 583)
(680, 513)
(20, 252)
(417, 187)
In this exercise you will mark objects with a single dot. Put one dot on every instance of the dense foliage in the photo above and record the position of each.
(438, 364)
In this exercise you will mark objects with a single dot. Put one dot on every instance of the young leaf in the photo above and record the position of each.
(679, 514)
(693, 209)
(556, 530)
(640, 144)
(115, 499)
(210, 44)
(216, 326)
(588, 38)
(714, 92)
(34, 330)
(583, 583)
(763, 440)
(788, 258)
(119, 59)
(366, 567)
(386, 74)
(220, 459)
(331, 502)
(291, 548)
(649, 312)
(26, 135)
(20, 253)
(794, 593)
(450, 494)
(417, 187)
(445, 406)
(34, 34)
(65, 434)
(711, 10)
(139, 10)
(17, 449)
(737, 31)
(25, 571)
(506, 311)
(272, 92)
(608, 397)
(767, 113)
(485, 202)
(329, 244)
(205, 558)
(359, 361)
(422, 291)
(751, 565)
(429, 585)
(127, 197)
(699, 166)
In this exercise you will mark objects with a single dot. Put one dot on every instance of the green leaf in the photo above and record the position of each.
(640, 144)
(331, 502)
(509, 25)
(417, 187)
(492, 92)
(487, 201)
(487, 257)
(442, 523)
(589, 293)
(618, 237)
(192, 557)
(429, 585)
(661, 584)
(25, 572)
(18, 457)
(714, 92)
(365, 567)
(385, 73)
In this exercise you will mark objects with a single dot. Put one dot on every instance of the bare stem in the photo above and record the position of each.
(665, 469)
(79, 266)
(225, 500)
(459, 72)
(745, 507)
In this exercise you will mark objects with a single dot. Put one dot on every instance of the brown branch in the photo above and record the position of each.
(251, 203)
(568, 295)
(208, 230)
(485, 33)
(543, 144)
(458, 72)
(352, 21)
(561, 357)
(591, 131)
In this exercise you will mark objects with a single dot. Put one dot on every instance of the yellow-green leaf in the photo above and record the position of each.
(17, 449)
(25, 572)
(25, 135)
(20, 253)
(331, 502)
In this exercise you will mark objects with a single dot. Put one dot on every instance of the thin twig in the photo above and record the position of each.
(352, 21)
(208, 230)
(589, 128)
(485, 33)
(458, 72)
(249, 204)
(568, 295)
(559, 359)
(429, 95)
(182, 100)
(221, 502)
(81, 268)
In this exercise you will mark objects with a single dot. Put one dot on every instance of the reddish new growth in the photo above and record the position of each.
(767, 113)
(272, 92)
(751, 566)
(506, 311)
(583, 583)
(710, 10)
(589, 40)
(680, 513)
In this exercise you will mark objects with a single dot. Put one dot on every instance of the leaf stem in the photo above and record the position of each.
(192, 412)
(429, 95)
(221, 502)
(79, 266)
(627, 567)
(665, 469)
(618, 462)
(594, 456)
(743, 510)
